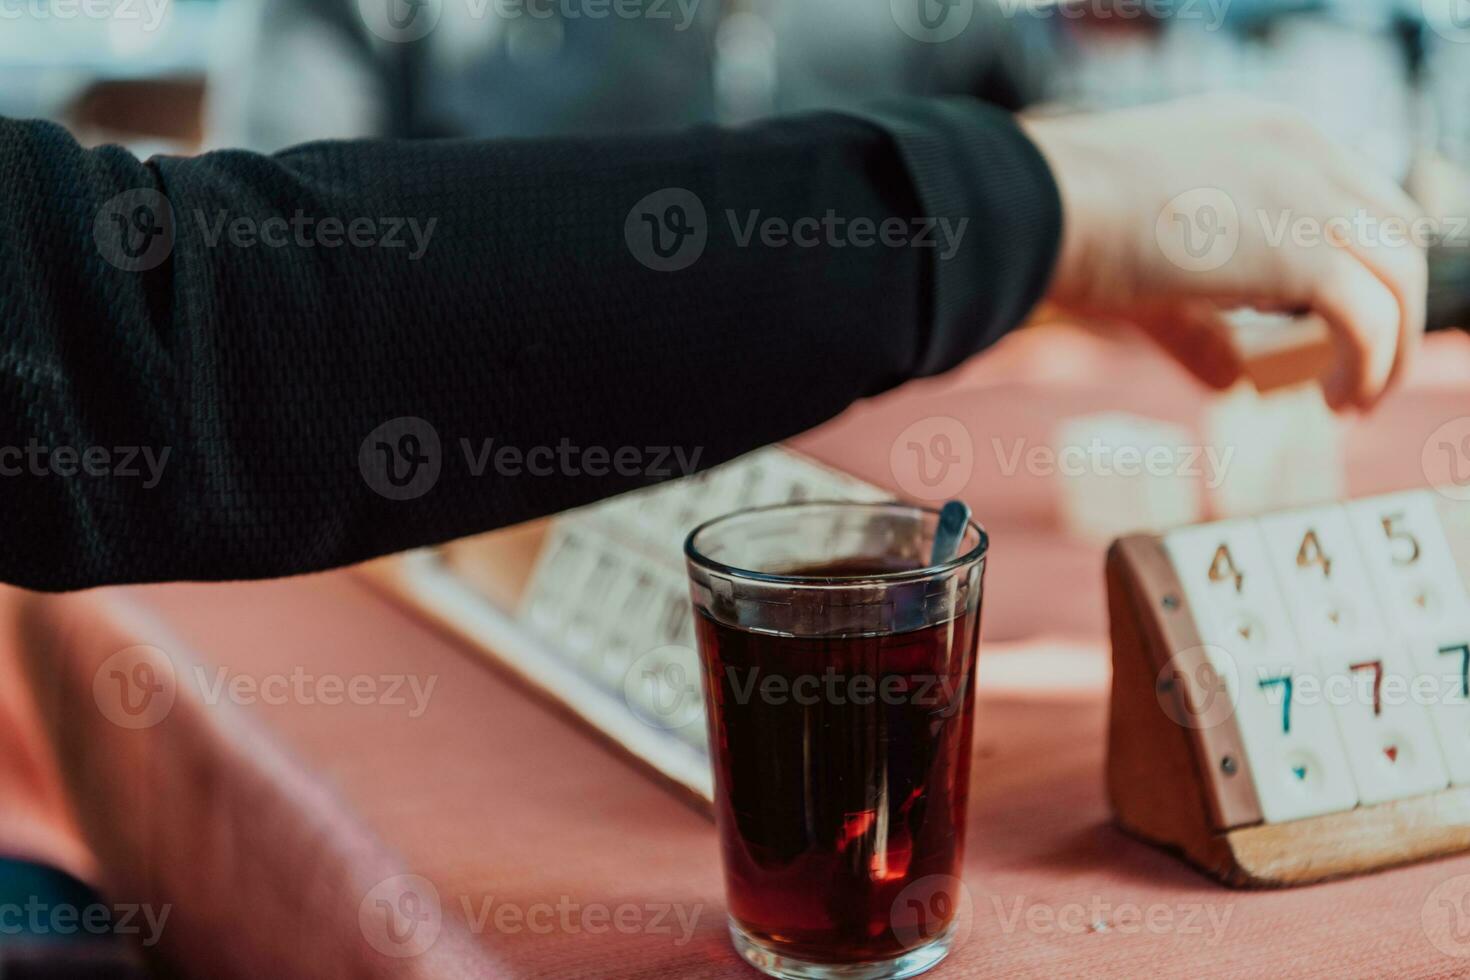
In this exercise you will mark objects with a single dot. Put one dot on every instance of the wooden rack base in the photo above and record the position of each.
(1166, 786)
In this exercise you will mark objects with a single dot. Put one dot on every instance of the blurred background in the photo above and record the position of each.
(1390, 77)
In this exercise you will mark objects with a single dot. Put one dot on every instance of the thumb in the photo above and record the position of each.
(1197, 336)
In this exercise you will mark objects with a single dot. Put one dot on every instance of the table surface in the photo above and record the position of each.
(274, 824)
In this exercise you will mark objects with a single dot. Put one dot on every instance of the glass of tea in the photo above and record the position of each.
(839, 669)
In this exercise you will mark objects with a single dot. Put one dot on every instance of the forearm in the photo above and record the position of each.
(517, 311)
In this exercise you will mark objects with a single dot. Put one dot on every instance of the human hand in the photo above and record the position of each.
(1177, 213)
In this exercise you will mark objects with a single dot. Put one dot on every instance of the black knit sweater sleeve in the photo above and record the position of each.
(238, 366)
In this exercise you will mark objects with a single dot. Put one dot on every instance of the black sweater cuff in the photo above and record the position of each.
(971, 162)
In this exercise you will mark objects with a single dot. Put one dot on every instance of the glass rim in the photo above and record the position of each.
(697, 558)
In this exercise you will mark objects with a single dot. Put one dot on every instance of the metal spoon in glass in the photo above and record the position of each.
(954, 517)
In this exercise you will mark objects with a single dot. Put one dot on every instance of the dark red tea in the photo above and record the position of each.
(842, 775)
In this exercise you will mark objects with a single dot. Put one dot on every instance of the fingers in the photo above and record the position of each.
(1404, 271)
(1365, 319)
(1359, 268)
(1370, 282)
(1394, 255)
(1198, 337)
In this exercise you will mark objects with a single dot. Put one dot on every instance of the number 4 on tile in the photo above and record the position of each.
(1222, 568)
(1311, 553)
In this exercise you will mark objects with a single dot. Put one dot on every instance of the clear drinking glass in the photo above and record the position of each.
(839, 669)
